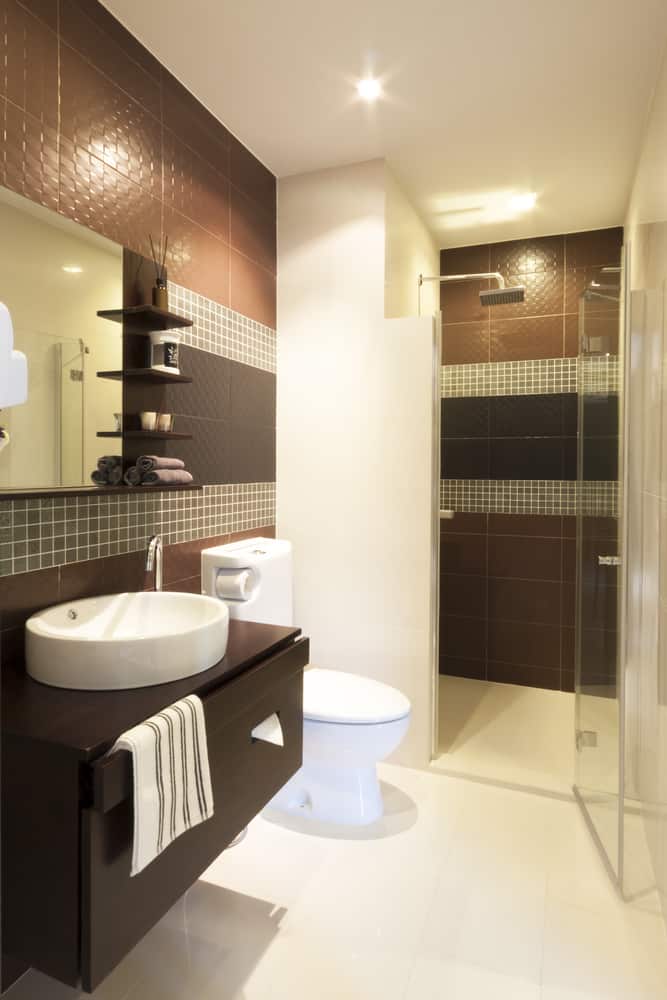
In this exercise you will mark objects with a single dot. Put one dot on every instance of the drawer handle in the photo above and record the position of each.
(269, 731)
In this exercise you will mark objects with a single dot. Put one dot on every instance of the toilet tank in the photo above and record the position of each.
(252, 577)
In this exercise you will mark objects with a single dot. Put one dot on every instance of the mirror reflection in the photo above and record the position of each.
(54, 276)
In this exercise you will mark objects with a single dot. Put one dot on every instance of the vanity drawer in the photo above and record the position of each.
(116, 910)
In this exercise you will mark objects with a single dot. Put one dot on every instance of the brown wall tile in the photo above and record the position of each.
(463, 554)
(251, 177)
(528, 525)
(465, 260)
(525, 558)
(465, 343)
(540, 253)
(197, 259)
(516, 339)
(524, 644)
(463, 595)
(253, 290)
(526, 676)
(531, 601)
(598, 246)
(462, 638)
(194, 188)
(253, 230)
(29, 63)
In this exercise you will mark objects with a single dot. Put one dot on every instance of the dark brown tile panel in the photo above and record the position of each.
(463, 554)
(527, 458)
(463, 522)
(569, 559)
(541, 253)
(110, 575)
(28, 63)
(253, 230)
(567, 680)
(464, 459)
(45, 10)
(194, 124)
(530, 601)
(454, 666)
(568, 602)
(183, 560)
(117, 55)
(197, 260)
(567, 648)
(207, 455)
(527, 676)
(465, 417)
(252, 177)
(102, 119)
(462, 638)
(252, 453)
(524, 644)
(465, 260)
(24, 593)
(532, 415)
(466, 343)
(517, 339)
(463, 595)
(460, 302)
(525, 558)
(571, 336)
(253, 290)
(529, 525)
(12, 646)
(577, 280)
(268, 531)
(194, 188)
(253, 396)
(569, 526)
(598, 246)
(191, 585)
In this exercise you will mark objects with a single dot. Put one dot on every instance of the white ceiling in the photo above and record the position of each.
(482, 98)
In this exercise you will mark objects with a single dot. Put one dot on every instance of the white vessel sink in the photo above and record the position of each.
(126, 640)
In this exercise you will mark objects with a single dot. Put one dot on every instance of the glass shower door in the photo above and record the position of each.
(597, 680)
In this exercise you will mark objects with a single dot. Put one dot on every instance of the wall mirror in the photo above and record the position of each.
(54, 277)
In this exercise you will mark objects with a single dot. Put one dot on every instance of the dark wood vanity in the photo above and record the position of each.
(70, 908)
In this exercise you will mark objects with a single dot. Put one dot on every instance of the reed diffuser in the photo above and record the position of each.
(160, 295)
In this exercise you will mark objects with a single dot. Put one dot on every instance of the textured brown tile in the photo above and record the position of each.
(253, 230)
(541, 253)
(527, 525)
(465, 260)
(523, 643)
(45, 10)
(533, 601)
(252, 177)
(463, 595)
(543, 295)
(193, 188)
(111, 51)
(106, 122)
(526, 339)
(207, 455)
(460, 302)
(267, 531)
(462, 637)
(191, 585)
(253, 290)
(599, 246)
(194, 125)
(252, 454)
(28, 63)
(463, 554)
(465, 343)
(527, 676)
(470, 524)
(525, 558)
(24, 593)
(29, 153)
(578, 279)
(253, 396)
(571, 336)
(457, 667)
(197, 259)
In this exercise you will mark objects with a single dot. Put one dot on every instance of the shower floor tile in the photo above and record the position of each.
(518, 736)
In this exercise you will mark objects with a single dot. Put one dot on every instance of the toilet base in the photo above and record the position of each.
(350, 796)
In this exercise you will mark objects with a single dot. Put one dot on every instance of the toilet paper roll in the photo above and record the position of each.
(234, 584)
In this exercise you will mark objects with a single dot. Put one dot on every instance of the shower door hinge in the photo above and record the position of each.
(609, 560)
(76, 375)
(586, 738)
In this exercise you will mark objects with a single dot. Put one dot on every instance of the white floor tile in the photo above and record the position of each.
(434, 979)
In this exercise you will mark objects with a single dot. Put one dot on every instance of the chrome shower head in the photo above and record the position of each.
(502, 296)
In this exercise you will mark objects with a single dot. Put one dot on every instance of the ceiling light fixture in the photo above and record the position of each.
(523, 202)
(369, 89)
(72, 269)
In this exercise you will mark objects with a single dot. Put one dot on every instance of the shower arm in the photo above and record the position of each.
(442, 278)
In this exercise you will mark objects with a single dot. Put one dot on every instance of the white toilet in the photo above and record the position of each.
(350, 722)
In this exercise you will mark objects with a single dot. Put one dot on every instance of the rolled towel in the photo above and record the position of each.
(107, 462)
(133, 476)
(115, 475)
(99, 478)
(148, 463)
(166, 476)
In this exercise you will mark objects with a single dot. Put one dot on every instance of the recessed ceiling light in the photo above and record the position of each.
(72, 268)
(523, 202)
(369, 89)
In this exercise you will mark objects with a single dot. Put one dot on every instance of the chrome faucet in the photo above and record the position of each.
(154, 561)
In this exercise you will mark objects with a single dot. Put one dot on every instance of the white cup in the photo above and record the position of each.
(148, 420)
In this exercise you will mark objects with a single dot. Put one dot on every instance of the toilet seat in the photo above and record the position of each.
(348, 699)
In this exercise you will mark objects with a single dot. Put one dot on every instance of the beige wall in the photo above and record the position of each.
(646, 648)
(354, 440)
(409, 251)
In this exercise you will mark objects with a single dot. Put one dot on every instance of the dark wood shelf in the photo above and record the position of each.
(159, 435)
(149, 318)
(86, 491)
(144, 375)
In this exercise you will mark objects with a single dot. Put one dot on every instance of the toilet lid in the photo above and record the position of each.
(334, 696)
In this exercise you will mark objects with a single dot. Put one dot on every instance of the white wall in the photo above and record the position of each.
(646, 558)
(409, 251)
(354, 438)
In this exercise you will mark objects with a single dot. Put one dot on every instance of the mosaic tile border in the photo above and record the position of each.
(597, 374)
(223, 331)
(52, 531)
(529, 496)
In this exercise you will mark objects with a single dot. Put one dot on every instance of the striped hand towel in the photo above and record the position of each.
(172, 780)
